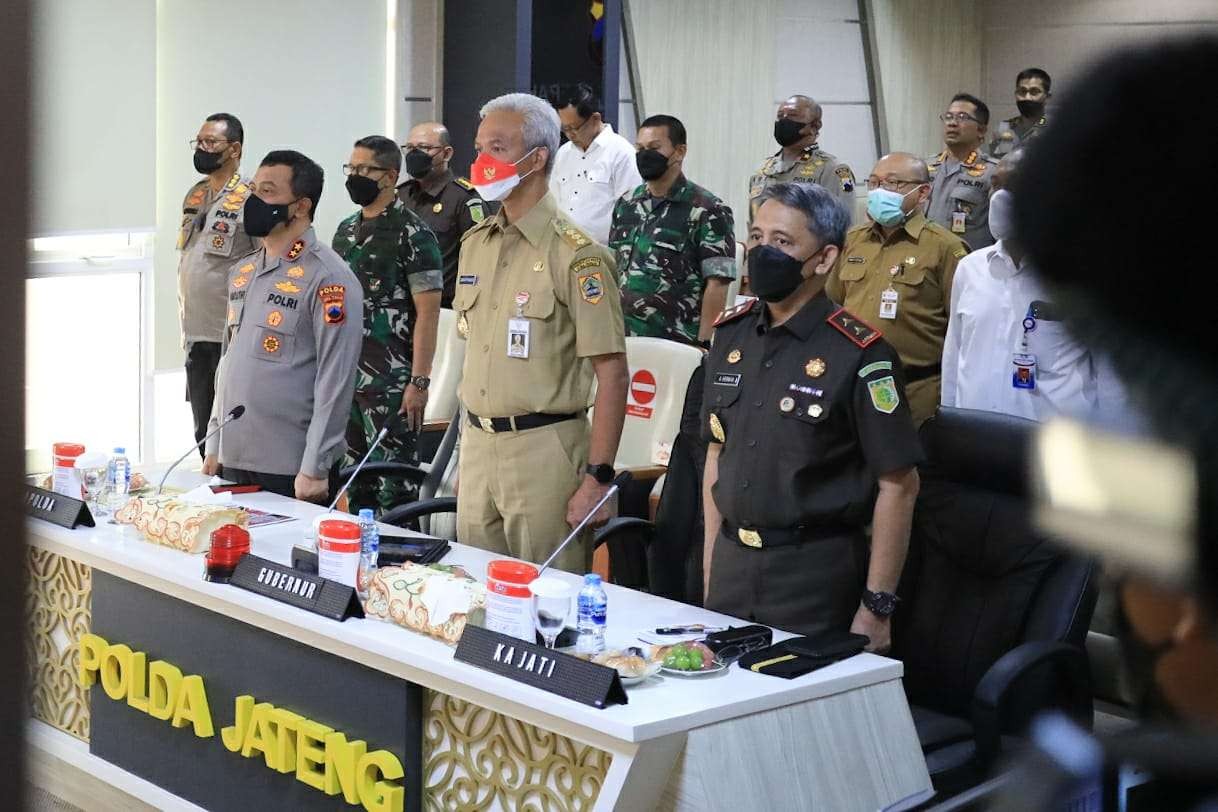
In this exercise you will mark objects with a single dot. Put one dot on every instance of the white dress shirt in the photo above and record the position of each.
(587, 183)
(991, 298)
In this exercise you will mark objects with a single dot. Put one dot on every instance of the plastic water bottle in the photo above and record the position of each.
(592, 609)
(369, 550)
(118, 477)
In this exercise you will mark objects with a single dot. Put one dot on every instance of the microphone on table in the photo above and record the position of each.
(622, 480)
(233, 414)
(391, 425)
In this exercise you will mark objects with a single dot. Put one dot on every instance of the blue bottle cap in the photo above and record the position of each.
(365, 515)
(593, 579)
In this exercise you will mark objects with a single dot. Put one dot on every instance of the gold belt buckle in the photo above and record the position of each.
(488, 425)
(750, 537)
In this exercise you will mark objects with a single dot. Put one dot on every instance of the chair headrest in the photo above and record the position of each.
(980, 449)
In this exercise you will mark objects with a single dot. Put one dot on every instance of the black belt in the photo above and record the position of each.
(494, 425)
(783, 537)
(915, 374)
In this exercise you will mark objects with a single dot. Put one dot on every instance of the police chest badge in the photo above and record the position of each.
(287, 287)
(884, 395)
(716, 428)
(333, 303)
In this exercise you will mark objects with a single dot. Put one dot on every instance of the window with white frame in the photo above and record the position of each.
(85, 342)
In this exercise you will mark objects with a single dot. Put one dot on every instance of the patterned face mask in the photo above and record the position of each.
(495, 179)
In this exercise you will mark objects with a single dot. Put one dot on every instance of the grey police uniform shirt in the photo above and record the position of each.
(291, 345)
(962, 188)
(210, 236)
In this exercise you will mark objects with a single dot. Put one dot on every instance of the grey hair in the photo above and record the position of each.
(827, 217)
(541, 124)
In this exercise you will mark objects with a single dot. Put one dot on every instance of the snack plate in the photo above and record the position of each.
(652, 670)
(717, 668)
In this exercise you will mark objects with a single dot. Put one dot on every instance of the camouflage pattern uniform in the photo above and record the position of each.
(394, 256)
(665, 250)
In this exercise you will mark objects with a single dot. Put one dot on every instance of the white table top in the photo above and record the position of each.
(658, 707)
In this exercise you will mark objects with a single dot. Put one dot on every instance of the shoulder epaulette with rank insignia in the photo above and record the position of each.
(854, 328)
(465, 184)
(571, 235)
(733, 313)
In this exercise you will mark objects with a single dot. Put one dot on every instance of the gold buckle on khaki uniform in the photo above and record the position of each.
(488, 425)
(749, 537)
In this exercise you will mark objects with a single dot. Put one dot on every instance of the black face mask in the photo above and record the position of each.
(651, 162)
(418, 164)
(208, 162)
(787, 131)
(362, 190)
(773, 274)
(1030, 109)
(260, 217)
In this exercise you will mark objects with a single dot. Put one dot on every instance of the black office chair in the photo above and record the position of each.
(993, 616)
(665, 557)
(431, 479)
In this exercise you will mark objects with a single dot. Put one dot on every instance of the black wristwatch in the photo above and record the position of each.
(602, 473)
(880, 604)
(420, 382)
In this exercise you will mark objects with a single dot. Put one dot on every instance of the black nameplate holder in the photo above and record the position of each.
(553, 671)
(296, 588)
(56, 508)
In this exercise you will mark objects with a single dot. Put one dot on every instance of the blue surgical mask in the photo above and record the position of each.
(885, 206)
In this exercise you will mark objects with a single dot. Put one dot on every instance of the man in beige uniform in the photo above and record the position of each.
(211, 236)
(537, 302)
(896, 271)
(796, 129)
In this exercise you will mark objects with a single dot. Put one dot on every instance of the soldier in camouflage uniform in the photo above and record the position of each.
(796, 129)
(397, 260)
(673, 241)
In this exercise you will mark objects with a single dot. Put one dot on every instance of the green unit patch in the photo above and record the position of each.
(875, 366)
(884, 395)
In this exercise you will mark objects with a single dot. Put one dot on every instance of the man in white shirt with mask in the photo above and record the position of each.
(594, 168)
(1007, 349)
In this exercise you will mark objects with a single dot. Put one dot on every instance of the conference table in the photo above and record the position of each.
(839, 738)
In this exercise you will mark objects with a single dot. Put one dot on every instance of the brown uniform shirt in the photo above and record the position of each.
(567, 284)
(918, 262)
(450, 206)
(814, 165)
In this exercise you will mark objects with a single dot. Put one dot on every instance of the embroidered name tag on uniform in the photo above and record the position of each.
(467, 279)
(727, 379)
(855, 260)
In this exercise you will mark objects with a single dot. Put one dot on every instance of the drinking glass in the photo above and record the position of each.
(93, 472)
(551, 605)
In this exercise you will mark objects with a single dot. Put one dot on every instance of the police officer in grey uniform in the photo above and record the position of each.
(961, 174)
(210, 237)
(291, 343)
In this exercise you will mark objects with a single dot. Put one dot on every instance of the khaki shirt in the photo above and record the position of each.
(814, 165)
(210, 237)
(918, 261)
(568, 286)
(960, 196)
(293, 337)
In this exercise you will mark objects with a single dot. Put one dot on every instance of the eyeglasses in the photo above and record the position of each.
(570, 131)
(424, 147)
(363, 170)
(957, 118)
(892, 184)
(208, 144)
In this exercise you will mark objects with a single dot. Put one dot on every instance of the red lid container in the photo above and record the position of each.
(228, 544)
(339, 535)
(510, 578)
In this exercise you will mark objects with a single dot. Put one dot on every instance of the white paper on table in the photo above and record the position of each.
(203, 495)
(443, 598)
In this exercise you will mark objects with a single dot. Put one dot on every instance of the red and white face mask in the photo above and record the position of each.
(495, 179)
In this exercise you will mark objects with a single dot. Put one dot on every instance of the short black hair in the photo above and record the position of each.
(1034, 73)
(676, 130)
(233, 130)
(983, 109)
(828, 218)
(581, 96)
(385, 151)
(307, 176)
